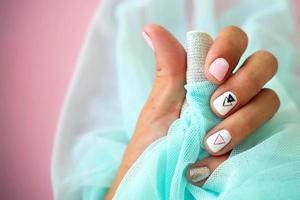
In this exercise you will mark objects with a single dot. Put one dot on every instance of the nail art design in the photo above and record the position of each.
(219, 68)
(148, 40)
(224, 103)
(197, 174)
(218, 140)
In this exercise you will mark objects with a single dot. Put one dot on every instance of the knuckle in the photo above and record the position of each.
(247, 77)
(233, 39)
(246, 121)
(248, 80)
(269, 58)
(273, 98)
(236, 31)
(228, 43)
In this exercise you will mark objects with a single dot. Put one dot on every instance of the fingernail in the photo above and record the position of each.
(197, 174)
(148, 40)
(219, 68)
(218, 140)
(224, 103)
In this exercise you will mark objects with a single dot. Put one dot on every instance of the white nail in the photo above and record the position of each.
(218, 140)
(224, 103)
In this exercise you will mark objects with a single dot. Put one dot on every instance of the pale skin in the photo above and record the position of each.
(167, 95)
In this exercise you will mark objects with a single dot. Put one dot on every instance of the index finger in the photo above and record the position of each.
(225, 53)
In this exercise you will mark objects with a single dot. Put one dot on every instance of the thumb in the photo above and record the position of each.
(164, 103)
(170, 62)
(169, 53)
(168, 93)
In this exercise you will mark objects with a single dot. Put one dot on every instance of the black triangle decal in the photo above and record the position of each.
(228, 100)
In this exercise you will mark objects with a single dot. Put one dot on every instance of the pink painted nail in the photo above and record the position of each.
(219, 68)
(148, 40)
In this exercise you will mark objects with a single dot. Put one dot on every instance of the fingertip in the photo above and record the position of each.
(274, 99)
(152, 29)
(169, 53)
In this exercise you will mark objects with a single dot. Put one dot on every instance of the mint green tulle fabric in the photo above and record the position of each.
(265, 166)
(112, 81)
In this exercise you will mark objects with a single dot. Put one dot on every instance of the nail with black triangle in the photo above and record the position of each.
(224, 103)
(218, 140)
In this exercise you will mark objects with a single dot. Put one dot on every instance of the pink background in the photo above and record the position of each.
(40, 41)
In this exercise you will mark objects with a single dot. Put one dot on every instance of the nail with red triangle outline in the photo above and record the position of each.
(218, 140)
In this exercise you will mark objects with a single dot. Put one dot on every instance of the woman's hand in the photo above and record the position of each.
(240, 99)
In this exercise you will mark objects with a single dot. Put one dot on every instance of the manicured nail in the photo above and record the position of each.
(148, 40)
(197, 174)
(219, 68)
(218, 140)
(224, 103)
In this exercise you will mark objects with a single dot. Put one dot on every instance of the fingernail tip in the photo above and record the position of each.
(148, 40)
(219, 68)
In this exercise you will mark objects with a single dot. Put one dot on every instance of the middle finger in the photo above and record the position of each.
(240, 88)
